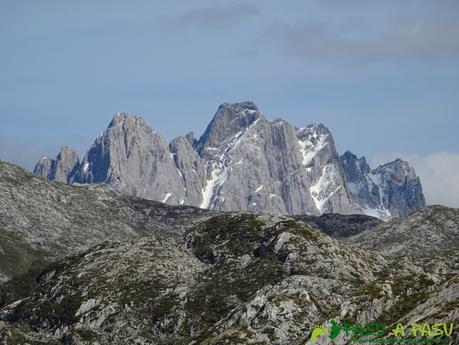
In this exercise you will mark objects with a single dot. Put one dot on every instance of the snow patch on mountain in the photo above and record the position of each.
(166, 197)
(312, 143)
(325, 187)
(383, 214)
(221, 167)
(219, 175)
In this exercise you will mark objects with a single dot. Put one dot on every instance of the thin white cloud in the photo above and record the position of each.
(356, 40)
(439, 174)
(212, 18)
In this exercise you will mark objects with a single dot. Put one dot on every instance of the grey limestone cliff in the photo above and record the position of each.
(133, 158)
(190, 167)
(260, 165)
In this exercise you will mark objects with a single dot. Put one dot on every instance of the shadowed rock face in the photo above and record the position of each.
(242, 162)
(390, 190)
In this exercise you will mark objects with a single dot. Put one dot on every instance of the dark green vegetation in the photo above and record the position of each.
(18, 257)
(340, 225)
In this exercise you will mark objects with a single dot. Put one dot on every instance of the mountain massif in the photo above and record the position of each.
(86, 264)
(242, 162)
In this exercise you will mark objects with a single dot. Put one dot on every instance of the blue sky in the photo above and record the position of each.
(382, 75)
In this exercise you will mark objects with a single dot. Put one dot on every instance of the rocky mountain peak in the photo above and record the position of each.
(190, 137)
(134, 158)
(128, 120)
(398, 168)
(43, 166)
(315, 138)
(315, 129)
(354, 166)
(229, 120)
(390, 190)
(239, 106)
(241, 162)
(61, 168)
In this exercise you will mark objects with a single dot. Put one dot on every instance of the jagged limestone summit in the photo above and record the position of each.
(242, 162)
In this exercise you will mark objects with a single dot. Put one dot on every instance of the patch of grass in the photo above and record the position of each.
(17, 256)
(369, 291)
(87, 334)
(411, 290)
(226, 286)
(240, 235)
(36, 312)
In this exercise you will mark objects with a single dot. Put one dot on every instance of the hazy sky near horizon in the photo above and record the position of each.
(382, 75)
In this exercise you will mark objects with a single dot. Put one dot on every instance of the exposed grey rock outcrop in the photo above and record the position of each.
(432, 231)
(237, 279)
(390, 190)
(40, 219)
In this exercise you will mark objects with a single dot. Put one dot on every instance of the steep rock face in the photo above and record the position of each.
(250, 169)
(61, 169)
(390, 190)
(43, 167)
(191, 169)
(328, 186)
(270, 166)
(133, 158)
(401, 188)
(229, 120)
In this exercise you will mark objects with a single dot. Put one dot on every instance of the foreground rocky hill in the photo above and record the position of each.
(158, 274)
(428, 232)
(40, 219)
(242, 162)
(339, 225)
(236, 279)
